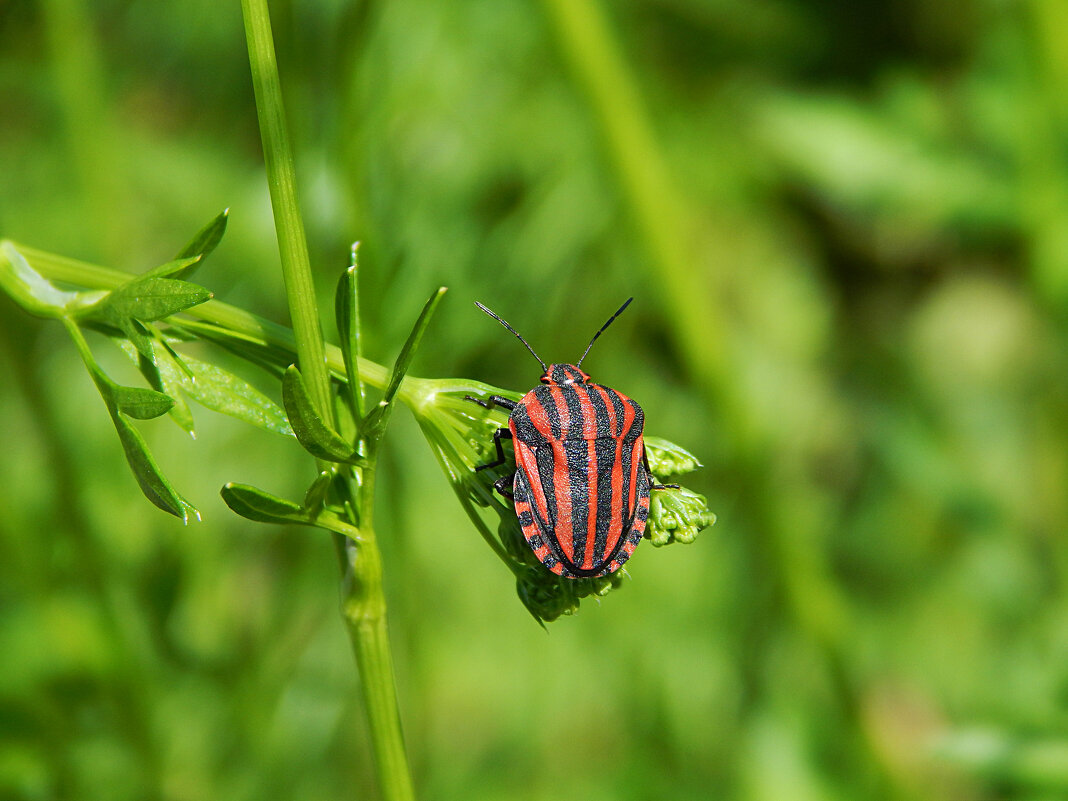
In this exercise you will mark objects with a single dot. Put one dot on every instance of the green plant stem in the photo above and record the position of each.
(93, 276)
(363, 607)
(281, 177)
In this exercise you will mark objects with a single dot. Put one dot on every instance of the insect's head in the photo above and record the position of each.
(559, 374)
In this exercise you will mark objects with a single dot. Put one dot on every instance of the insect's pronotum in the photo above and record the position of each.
(582, 481)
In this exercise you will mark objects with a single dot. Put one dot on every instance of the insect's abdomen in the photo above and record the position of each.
(581, 492)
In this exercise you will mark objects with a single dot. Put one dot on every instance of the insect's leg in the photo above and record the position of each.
(649, 473)
(495, 400)
(503, 485)
(498, 435)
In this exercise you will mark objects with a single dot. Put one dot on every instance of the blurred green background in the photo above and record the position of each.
(846, 226)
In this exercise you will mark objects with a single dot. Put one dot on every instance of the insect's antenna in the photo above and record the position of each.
(517, 336)
(603, 327)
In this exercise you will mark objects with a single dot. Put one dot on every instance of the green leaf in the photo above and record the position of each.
(141, 403)
(315, 497)
(205, 241)
(33, 292)
(313, 433)
(149, 299)
(376, 421)
(253, 503)
(214, 388)
(171, 269)
(263, 507)
(347, 313)
(152, 482)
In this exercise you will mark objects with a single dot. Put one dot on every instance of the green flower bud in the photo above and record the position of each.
(668, 459)
(676, 515)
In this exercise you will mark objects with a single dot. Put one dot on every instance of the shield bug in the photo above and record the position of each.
(582, 480)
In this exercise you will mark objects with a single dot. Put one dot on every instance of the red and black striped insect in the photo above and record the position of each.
(582, 480)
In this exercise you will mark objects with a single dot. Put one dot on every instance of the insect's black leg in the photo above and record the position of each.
(498, 435)
(648, 472)
(495, 400)
(503, 485)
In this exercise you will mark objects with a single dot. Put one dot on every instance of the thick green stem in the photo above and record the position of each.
(281, 177)
(363, 606)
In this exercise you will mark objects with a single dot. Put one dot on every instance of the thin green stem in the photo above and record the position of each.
(214, 312)
(281, 177)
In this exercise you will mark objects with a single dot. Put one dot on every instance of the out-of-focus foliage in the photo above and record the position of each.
(846, 225)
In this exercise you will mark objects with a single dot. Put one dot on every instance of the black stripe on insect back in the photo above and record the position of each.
(576, 451)
(524, 427)
(543, 396)
(604, 451)
(617, 409)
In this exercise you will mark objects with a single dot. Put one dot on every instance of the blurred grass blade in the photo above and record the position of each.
(347, 313)
(317, 438)
(205, 242)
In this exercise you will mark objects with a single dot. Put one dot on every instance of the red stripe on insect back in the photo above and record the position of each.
(589, 555)
(525, 458)
(563, 531)
(617, 475)
(635, 461)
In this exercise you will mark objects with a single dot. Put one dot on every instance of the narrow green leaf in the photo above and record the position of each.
(215, 388)
(141, 403)
(263, 507)
(205, 241)
(318, 438)
(152, 482)
(376, 421)
(171, 269)
(315, 497)
(33, 292)
(404, 360)
(150, 299)
(347, 313)
(253, 503)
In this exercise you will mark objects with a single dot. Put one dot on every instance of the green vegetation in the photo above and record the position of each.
(845, 228)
